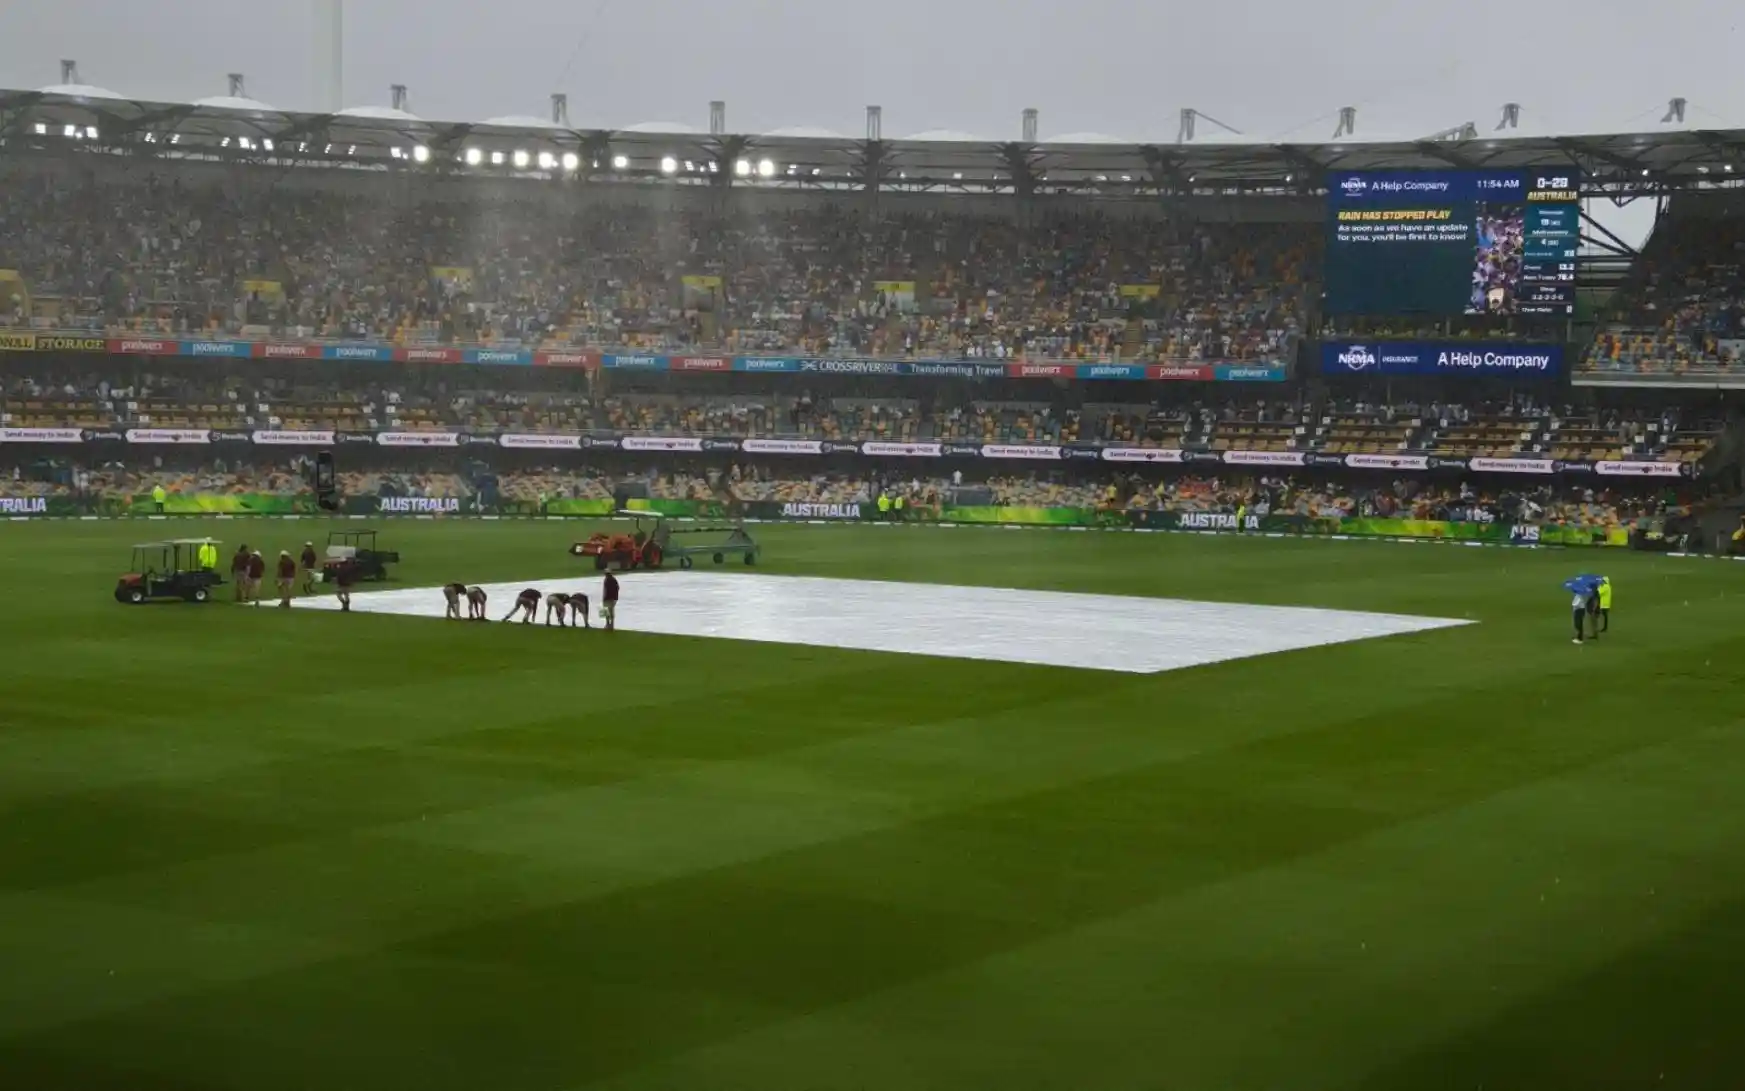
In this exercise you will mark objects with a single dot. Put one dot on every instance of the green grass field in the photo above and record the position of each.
(262, 850)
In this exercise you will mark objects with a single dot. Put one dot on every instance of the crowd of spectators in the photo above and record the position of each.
(256, 400)
(1684, 313)
(175, 248)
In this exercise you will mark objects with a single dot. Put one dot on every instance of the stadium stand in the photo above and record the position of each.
(192, 251)
(202, 396)
(1684, 311)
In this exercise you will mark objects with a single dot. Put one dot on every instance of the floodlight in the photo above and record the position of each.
(669, 165)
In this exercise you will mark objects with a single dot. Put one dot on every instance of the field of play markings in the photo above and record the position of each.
(1133, 635)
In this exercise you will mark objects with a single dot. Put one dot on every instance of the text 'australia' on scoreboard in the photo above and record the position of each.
(1452, 242)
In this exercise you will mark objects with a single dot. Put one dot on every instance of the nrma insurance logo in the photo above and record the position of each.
(1354, 186)
(1357, 358)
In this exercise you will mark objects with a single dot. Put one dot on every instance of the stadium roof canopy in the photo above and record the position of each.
(89, 119)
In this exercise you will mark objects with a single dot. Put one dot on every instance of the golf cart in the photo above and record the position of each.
(355, 551)
(653, 543)
(169, 570)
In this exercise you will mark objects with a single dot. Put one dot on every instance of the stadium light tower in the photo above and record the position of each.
(329, 54)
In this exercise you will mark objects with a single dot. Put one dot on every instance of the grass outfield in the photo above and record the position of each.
(254, 850)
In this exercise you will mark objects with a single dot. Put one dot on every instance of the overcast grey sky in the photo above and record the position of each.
(1124, 67)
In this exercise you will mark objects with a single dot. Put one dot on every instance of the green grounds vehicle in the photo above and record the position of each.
(654, 541)
(170, 570)
(355, 551)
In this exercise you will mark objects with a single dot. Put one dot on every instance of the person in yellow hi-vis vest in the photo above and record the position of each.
(1605, 621)
(884, 505)
(208, 556)
(158, 496)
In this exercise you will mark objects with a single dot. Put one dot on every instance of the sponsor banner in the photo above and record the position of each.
(282, 438)
(46, 343)
(1544, 534)
(1068, 517)
(1143, 454)
(1081, 454)
(782, 447)
(1639, 469)
(418, 439)
(720, 445)
(1439, 462)
(1496, 359)
(1249, 373)
(841, 447)
(634, 362)
(1191, 372)
(600, 443)
(17, 342)
(879, 449)
(539, 441)
(169, 435)
(11, 507)
(1315, 458)
(215, 348)
(42, 435)
(1387, 462)
(961, 450)
(1512, 465)
(1263, 458)
(229, 437)
(1111, 371)
(422, 505)
(950, 369)
(806, 511)
(478, 441)
(138, 346)
(202, 503)
(431, 355)
(272, 350)
(375, 353)
(586, 360)
(497, 356)
(355, 437)
(1040, 371)
(766, 363)
(1018, 450)
(852, 367)
(104, 436)
(661, 443)
(701, 363)
(1198, 520)
(594, 508)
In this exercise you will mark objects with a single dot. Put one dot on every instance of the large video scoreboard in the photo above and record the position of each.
(1452, 242)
